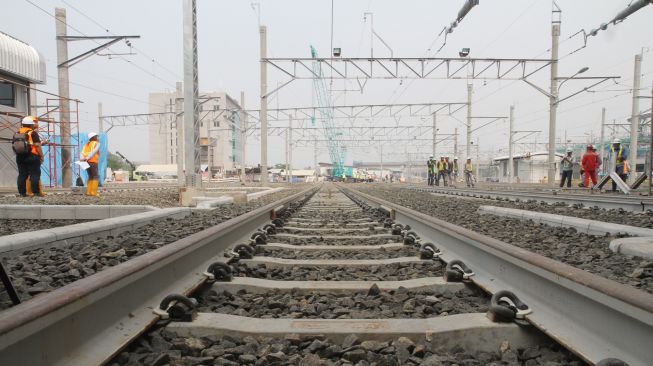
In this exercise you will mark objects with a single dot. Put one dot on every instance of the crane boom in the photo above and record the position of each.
(337, 150)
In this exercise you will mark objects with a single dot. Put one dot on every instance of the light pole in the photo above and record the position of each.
(582, 70)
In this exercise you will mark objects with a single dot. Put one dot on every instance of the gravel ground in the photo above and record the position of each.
(405, 251)
(371, 230)
(161, 347)
(623, 217)
(371, 304)
(319, 240)
(42, 270)
(389, 272)
(339, 217)
(8, 227)
(587, 252)
(165, 197)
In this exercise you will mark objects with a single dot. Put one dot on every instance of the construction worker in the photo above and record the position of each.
(469, 173)
(443, 169)
(620, 155)
(566, 169)
(91, 155)
(430, 171)
(591, 163)
(455, 168)
(448, 171)
(26, 143)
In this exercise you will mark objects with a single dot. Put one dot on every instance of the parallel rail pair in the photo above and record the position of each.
(89, 321)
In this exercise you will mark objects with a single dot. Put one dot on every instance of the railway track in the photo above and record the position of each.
(332, 274)
(609, 202)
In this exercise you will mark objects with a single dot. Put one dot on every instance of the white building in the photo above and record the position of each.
(20, 66)
(528, 168)
(220, 136)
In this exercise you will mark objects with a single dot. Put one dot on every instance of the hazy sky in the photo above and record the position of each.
(229, 53)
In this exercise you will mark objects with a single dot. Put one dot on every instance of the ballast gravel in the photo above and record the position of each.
(162, 197)
(44, 269)
(11, 226)
(363, 231)
(587, 252)
(383, 253)
(370, 304)
(327, 240)
(620, 216)
(162, 347)
(388, 272)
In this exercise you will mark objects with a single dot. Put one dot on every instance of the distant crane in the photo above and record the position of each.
(133, 167)
(337, 150)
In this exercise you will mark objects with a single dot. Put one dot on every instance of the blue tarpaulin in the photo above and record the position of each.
(83, 139)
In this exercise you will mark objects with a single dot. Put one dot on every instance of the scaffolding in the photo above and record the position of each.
(49, 130)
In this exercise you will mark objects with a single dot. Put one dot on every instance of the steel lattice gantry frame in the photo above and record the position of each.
(362, 111)
(411, 68)
(463, 68)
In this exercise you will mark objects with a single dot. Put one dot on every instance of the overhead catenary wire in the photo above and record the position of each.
(98, 43)
(101, 26)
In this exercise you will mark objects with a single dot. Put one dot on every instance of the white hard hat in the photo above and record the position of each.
(455, 158)
(91, 135)
(431, 156)
(468, 158)
(616, 141)
(29, 120)
(569, 149)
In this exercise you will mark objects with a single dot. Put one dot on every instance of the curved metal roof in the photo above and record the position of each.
(21, 60)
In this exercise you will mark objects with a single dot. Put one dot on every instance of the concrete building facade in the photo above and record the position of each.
(20, 66)
(220, 139)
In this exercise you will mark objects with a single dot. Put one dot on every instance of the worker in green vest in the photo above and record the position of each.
(469, 173)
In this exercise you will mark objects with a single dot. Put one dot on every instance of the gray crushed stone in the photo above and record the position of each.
(369, 304)
(12, 226)
(587, 252)
(162, 347)
(388, 272)
(383, 253)
(44, 269)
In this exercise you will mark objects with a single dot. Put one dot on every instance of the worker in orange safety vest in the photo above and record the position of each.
(91, 155)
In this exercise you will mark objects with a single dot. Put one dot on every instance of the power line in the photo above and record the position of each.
(85, 35)
(109, 93)
(141, 52)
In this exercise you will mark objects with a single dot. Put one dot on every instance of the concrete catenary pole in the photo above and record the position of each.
(287, 143)
(634, 117)
(64, 97)
(290, 146)
(650, 149)
(381, 157)
(435, 136)
(470, 89)
(455, 143)
(553, 101)
(478, 157)
(243, 138)
(191, 96)
(511, 173)
(264, 106)
(179, 128)
(317, 169)
(100, 125)
(602, 141)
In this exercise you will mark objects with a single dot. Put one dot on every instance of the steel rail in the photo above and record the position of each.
(594, 317)
(89, 321)
(633, 204)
